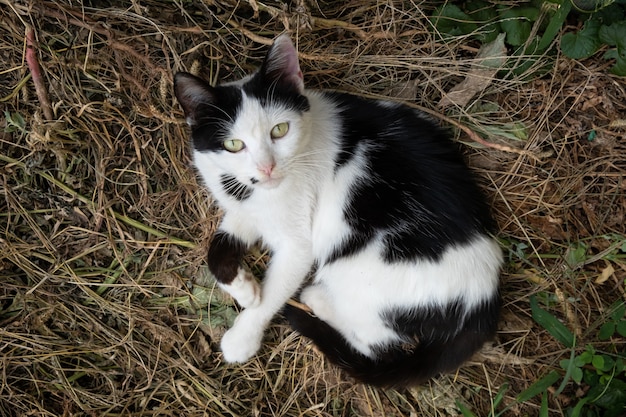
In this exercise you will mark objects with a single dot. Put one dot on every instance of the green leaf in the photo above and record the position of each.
(485, 15)
(538, 387)
(14, 122)
(585, 357)
(481, 11)
(221, 316)
(576, 255)
(582, 44)
(621, 328)
(555, 25)
(568, 375)
(612, 397)
(449, 19)
(574, 368)
(609, 364)
(589, 6)
(464, 410)
(619, 311)
(598, 362)
(551, 324)
(514, 131)
(517, 24)
(614, 35)
(500, 395)
(620, 67)
(577, 375)
(579, 407)
(606, 330)
(543, 410)
(591, 377)
(610, 14)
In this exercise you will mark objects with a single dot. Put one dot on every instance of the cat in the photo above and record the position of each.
(370, 198)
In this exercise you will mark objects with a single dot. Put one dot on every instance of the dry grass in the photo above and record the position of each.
(104, 304)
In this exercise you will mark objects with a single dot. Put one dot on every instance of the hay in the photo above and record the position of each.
(104, 304)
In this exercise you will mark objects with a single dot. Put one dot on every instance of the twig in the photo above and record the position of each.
(17, 89)
(249, 34)
(35, 70)
(474, 136)
(299, 305)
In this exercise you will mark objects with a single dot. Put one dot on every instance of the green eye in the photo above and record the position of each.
(279, 130)
(234, 145)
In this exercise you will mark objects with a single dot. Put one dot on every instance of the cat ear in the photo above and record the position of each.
(192, 93)
(281, 64)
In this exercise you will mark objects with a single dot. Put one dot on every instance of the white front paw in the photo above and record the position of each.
(245, 289)
(243, 340)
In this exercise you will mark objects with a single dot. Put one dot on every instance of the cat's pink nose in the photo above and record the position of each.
(267, 169)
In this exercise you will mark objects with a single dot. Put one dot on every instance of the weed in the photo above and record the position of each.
(532, 27)
(599, 377)
(14, 122)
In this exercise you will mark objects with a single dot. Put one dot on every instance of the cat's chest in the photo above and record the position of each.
(275, 216)
(329, 226)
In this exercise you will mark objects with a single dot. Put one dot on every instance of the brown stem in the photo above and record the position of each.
(35, 71)
(474, 136)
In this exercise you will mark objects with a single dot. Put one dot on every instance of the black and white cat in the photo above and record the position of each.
(370, 197)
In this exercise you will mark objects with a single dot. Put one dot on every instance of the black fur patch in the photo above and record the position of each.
(428, 350)
(225, 254)
(440, 324)
(213, 120)
(271, 92)
(234, 188)
(420, 196)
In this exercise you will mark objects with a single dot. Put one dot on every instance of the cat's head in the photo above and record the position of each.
(250, 129)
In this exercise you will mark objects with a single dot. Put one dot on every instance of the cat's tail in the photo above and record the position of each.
(399, 366)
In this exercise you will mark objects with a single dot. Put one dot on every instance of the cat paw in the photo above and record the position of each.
(242, 341)
(245, 289)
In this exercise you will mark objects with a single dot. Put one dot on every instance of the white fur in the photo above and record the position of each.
(280, 209)
(468, 273)
(329, 228)
(244, 288)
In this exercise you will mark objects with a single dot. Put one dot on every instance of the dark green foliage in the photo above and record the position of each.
(600, 374)
(531, 28)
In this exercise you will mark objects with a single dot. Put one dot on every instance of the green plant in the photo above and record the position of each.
(495, 403)
(531, 27)
(606, 27)
(615, 324)
(14, 123)
(601, 374)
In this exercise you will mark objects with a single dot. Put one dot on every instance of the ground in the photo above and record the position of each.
(106, 307)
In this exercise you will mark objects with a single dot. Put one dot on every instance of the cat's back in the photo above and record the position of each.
(392, 130)
(403, 179)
